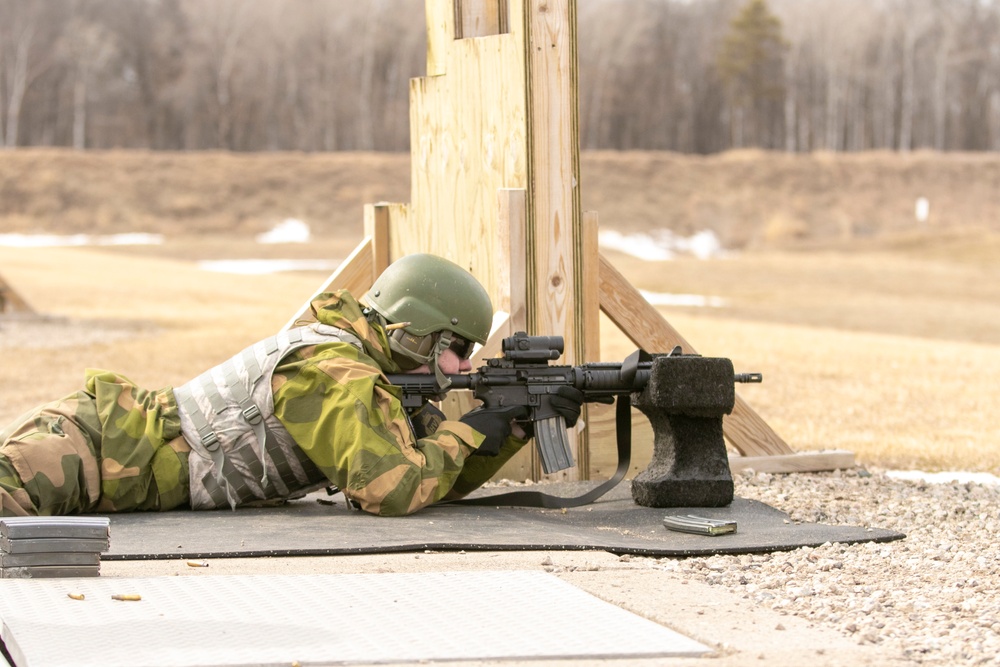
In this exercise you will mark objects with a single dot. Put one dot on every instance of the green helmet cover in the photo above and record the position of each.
(432, 294)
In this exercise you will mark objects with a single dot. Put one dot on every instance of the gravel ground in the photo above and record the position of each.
(932, 596)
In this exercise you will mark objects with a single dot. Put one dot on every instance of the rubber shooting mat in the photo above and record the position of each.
(245, 620)
(314, 527)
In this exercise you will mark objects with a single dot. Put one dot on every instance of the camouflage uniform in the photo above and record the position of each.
(111, 447)
(114, 447)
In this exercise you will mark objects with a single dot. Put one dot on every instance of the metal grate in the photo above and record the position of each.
(320, 619)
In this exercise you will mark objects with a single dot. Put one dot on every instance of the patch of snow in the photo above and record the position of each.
(641, 246)
(944, 477)
(662, 245)
(697, 300)
(288, 231)
(77, 240)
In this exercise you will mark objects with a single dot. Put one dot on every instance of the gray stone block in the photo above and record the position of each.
(684, 401)
(691, 385)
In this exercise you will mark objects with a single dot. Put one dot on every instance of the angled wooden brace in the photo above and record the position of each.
(366, 262)
(762, 449)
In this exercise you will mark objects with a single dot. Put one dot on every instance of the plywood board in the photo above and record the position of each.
(467, 142)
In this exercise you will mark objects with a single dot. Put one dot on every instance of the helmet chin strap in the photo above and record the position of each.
(443, 343)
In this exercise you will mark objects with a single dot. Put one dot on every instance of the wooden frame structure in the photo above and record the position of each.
(495, 175)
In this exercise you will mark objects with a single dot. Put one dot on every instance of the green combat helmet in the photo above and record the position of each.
(435, 301)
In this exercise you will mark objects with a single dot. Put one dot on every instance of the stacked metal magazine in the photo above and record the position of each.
(37, 547)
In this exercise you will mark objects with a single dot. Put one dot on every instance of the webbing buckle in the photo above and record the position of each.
(210, 441)
(252, 414)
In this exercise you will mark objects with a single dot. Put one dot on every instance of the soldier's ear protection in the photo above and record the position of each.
(423, 349)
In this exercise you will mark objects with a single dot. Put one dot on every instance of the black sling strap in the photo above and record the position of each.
(623, 434)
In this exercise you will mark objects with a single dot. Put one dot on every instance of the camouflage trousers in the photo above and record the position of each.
(112, 447)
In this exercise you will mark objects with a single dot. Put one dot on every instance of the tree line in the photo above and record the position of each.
(695, 76)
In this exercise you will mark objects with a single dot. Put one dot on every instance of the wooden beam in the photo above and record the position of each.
(376, 223)
(368, 259)
(833, 459)
(440, 17)
(644, 325)
(512, 267)
(553, 240)
(635, 316)
(590, 300)
(554, 215)
(591, 287)
(355, 274)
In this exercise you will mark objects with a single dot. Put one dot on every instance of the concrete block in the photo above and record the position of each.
(684, 400)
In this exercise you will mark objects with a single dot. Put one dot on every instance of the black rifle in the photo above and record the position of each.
(523, 376)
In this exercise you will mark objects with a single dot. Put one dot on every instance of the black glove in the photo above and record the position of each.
(567, 402)
(426, 420)
(494, 423)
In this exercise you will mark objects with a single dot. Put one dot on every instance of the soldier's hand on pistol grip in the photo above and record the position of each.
(495, 424)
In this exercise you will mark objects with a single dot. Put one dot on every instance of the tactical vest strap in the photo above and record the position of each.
(246, 459)
(230, 411)
(251, 413)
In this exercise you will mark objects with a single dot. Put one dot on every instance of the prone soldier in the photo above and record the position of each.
(307, 408)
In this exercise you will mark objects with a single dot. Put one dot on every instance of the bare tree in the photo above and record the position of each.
(23, 53)
(88, 46)
(332, 75)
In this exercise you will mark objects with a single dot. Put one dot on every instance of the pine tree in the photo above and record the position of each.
(751, 66)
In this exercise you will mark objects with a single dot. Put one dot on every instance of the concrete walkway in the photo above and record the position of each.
(739, 633)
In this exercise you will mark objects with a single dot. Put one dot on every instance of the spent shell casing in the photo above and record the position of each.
(76, 596)
(129, 597)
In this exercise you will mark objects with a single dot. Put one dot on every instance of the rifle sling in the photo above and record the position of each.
(623, 434)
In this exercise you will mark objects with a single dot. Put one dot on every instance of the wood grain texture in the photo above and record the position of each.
(467, 142)
(834, 459)
(590, 314)
(554, 237)
(440, 18)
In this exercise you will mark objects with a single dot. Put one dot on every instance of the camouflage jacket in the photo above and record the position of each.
(336, 403)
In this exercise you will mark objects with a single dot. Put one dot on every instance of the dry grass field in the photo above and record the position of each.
(874, 334)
